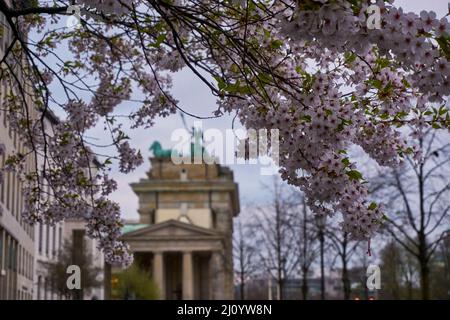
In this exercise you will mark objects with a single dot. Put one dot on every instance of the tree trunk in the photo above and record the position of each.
(280, 289)
(242, 287)
(242, 266)
(304, 285)
(345, 280)
(410, 295)
(423, 249)
(280, 258)
(424, 279)
(366, 290)
(322, 266)
(305, 249)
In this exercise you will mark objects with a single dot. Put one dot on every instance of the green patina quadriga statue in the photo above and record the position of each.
(159, 152)
(196, 148)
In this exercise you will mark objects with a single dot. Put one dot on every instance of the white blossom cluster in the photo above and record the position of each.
(311, 69)
(320, 123)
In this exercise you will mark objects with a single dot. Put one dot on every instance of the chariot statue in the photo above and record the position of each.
(196, 148)
(159, 152)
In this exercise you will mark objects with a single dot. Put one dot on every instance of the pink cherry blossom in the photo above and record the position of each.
(315, 71)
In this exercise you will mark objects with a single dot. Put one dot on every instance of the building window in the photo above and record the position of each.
(214, 219)
(30, 266)
(2, 188)
(13, 196)
(23, 262)
(39, 287)
(10, 253)
(40, 237)
(54, 241)
(19, 213)
(60, 238)
(20, 260)
(183, 175)
(1, 251)
(45, 288)
(47, 240)
(6, 250)
(15, 255)
(27, 263)
(8, 188)
(78, 242)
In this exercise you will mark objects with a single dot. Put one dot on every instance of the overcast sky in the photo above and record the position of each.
(195, 98)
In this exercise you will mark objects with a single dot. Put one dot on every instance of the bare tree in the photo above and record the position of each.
(305, 231)
(440, 280)
(361, 264)
(73, 253)
(244, 255)
(400, 271)
(275, 236)
(344, 249)
(418, 203)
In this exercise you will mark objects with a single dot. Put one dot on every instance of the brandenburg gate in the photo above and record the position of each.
(184, 232)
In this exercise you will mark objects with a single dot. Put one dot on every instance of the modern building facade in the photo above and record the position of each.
(47, 245)
(25, 249)
(184, 234)
(16, 236)
(50, 240)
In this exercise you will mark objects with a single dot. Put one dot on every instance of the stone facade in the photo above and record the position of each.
(16, 236)
(185, 229)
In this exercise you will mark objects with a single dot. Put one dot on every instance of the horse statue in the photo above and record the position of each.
(159, 152)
